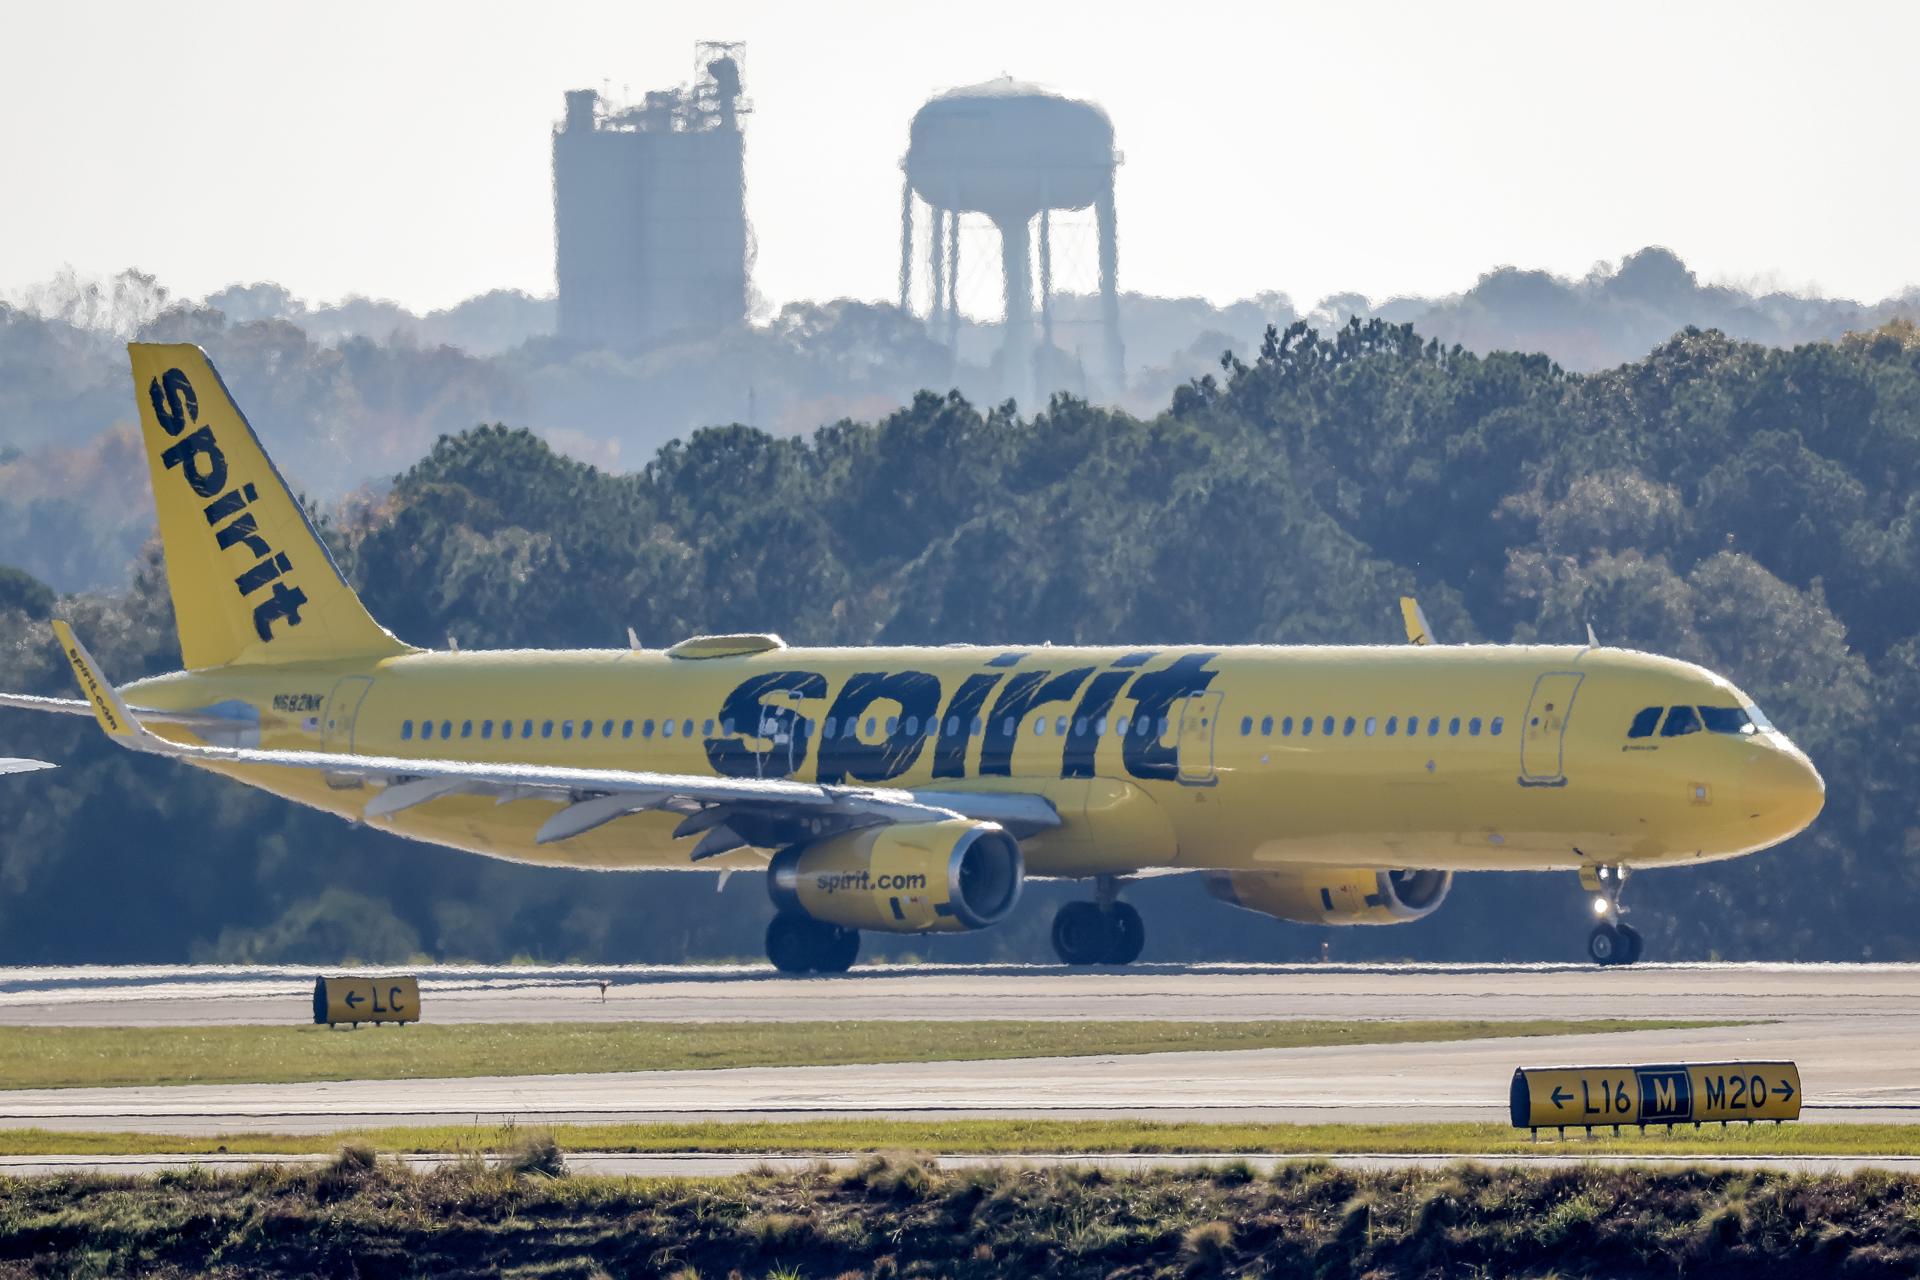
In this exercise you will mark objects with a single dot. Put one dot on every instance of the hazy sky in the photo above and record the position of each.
(403, 149)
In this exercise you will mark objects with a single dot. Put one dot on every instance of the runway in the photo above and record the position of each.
(1854, 1029)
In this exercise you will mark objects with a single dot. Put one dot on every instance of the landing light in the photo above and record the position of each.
(1599, 906)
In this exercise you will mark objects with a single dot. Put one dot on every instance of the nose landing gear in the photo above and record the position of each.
(1611, 941)
(1104, 931)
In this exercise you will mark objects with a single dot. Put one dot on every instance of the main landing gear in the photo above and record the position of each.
(1104, 931)
(801, 944)
(1611, 942)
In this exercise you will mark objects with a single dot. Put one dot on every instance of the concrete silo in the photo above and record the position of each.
(1015, 153)
(649, 209)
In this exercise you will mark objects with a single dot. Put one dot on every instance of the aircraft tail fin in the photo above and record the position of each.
(1415, 619)
(251, 580)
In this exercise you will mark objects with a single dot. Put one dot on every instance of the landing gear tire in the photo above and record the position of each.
(1614, 944)
(1082, 934)
(1632, 944)
(1129, 934)
(1605, 945)
(801, 944)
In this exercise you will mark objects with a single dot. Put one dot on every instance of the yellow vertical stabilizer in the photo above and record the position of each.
(251, 580)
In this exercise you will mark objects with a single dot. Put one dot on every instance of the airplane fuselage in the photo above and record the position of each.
(1157, 758)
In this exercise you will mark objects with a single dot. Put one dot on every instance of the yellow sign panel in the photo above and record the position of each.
(1680, 1093)
(358, 1000)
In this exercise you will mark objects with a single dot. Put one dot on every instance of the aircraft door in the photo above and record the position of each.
(1543, 736)
(343, 709)
(1199, 715)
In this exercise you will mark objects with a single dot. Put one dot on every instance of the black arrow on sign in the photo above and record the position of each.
(1786, 1090)
(353, 999)
(1557, 1100)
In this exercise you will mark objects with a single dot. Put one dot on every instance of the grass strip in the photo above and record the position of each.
(75, 1057)
(1013, 1137)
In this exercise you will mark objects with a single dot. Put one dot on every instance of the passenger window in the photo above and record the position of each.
(1453, 726)
(980, 726)
(1266, 726)
(953, 726)
(466, 728)
(1393, 725)
(1498, 724)
(1286, 727)
(1246, 726)
(546, 729)
(871, 722)
(1006, 727)
(666, 728)
(446, 728)
(1725, 720)
(586, 728)
(1121, 725)
(406, 730)
(506, 728)
(1326, 726)
(1413, 726)
(566, 728)
(1306, 726)
(1644, 723)
(913, 726)
(646, 728)
(626, 728)
(486, 729)
(1347, 729)
(1163, 728)
(1080, 727)
(426, 730)
(1433, 726)
(606, 729)
(1373, 722)
(526, 728)
(686, 728)
(1100, 727)
(1060, 725)
(833, 722)
(706, 729)
(1680, 721)
(1473, 727)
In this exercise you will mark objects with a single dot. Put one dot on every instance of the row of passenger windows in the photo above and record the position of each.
(1683, 720)
(430, 729)
(1327, 725)
(833, 726)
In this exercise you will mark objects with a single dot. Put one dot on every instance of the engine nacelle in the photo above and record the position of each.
(919, 877)
(1334, 895)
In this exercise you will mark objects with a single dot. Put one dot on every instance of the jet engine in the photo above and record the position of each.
(1334, 895)
(919, 877)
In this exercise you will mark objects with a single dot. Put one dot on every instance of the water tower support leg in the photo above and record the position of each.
(1109, 291)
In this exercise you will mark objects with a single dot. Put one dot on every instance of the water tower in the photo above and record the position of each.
(1015, 153)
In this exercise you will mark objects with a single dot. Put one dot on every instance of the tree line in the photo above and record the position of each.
(1751, 508)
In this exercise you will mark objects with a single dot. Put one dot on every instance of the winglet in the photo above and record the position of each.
(1418, 632)
(108, 708)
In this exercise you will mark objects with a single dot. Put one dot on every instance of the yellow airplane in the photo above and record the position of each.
(909, 790)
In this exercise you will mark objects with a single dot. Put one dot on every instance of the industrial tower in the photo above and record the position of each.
(649, 209)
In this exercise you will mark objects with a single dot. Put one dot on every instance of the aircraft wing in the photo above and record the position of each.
(14, 764)
(81, 707)
(717, 809)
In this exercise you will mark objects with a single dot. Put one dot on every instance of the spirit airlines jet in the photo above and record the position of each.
(915, 790)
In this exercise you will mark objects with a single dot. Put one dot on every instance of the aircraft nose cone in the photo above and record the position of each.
(1784, 789)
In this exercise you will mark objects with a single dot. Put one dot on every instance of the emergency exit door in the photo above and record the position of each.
(1199, 714)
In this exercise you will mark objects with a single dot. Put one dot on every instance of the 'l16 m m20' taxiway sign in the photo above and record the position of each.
(1676, 1093)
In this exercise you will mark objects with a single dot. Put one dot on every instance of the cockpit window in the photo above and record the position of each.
(1644, 723)
(1725, 720)
(1759, 719)
(1680, 720)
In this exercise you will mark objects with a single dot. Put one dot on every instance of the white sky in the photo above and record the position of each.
(402, 149)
